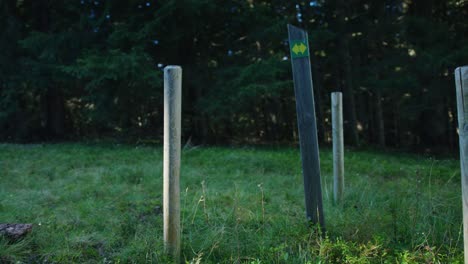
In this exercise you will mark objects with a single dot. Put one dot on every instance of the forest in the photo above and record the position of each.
(82, 69)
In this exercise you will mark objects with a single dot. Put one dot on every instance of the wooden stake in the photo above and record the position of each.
(461, 82)
(172, 132)
(338, 148)
(306, 121)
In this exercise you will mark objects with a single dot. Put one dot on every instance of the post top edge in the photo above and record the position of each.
(462, 68)
(172, 67)
(290, 26)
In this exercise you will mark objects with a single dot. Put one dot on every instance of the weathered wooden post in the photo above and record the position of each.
(461, 83)
(172, 123)
(338, 148)
(306, 121)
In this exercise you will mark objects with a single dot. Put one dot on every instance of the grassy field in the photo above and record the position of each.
(102, 204)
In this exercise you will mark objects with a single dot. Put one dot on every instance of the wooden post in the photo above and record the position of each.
(461, 82)
(306, 121)
(338, 148)
(172, 123)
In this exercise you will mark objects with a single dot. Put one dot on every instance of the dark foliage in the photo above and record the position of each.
(91, 69)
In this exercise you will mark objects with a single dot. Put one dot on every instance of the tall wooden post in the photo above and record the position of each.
(338, 148)
(306, 121)
(461, 82)
(172, 132)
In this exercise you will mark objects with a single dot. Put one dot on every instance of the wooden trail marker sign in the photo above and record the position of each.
(461, 83)
(306, 121)
(172, 132)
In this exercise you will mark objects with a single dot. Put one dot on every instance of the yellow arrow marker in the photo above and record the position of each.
(299, 49)
(296, 49)
(302, 48)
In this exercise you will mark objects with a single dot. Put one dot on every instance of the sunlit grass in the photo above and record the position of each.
(102, 203)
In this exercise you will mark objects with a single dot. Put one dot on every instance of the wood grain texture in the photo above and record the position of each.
(15, 231)
(307, 125)
(172, 133)
(338, 146)
(461, 83)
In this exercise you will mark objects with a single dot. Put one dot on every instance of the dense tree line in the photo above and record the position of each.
(91, 69)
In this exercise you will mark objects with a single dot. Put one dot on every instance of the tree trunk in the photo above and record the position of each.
(277, 109)
(379, 118)
(317, 79)
(450, 133)
(371, 138)
(351, 133)
(55, 117)
(396, 124)
(362, 114)
(350, 122)
(55, 107)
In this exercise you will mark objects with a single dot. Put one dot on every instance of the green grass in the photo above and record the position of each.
(102, 204)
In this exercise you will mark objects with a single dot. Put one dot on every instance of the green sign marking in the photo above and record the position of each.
(299, 49)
